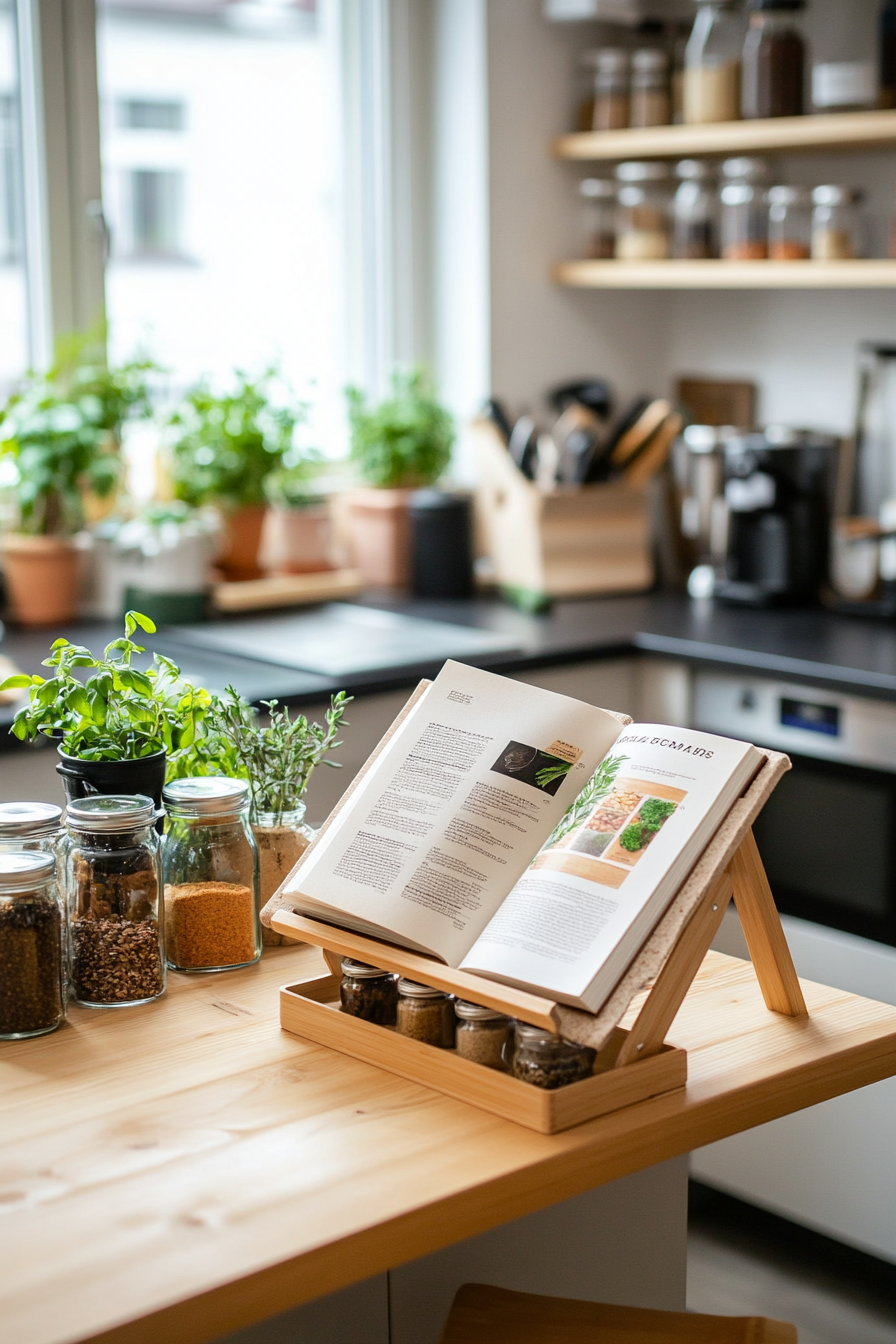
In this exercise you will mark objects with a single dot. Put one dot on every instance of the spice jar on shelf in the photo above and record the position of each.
(368, 993)
(425, 1014)
(773, 67)
(611, 89)
(694, 211)
(210, 865)
(650, 102)
(32, 946)
(643, 209)
(599, 218)
(27, 826)
(546, 1060)
(483, 1035)
(112, 882)
(712, 64)
(743, 221)
(836, 223)
(789, 223)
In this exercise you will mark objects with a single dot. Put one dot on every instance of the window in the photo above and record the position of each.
(153, 205)
(142, 114)
(13, 290)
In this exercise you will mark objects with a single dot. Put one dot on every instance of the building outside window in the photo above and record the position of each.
(13, 290)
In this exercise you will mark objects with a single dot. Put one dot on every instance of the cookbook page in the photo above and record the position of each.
(615, 861)
(457, 804)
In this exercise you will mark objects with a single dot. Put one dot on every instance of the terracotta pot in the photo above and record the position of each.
(42, 575)
(380, 536)
(298, 541)
(242, 540)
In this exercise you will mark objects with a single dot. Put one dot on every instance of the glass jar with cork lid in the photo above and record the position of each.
(29, 826)
(32, 948)
(210, 865)
(112, 884)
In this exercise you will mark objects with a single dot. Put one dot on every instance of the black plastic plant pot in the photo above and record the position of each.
(83, 779)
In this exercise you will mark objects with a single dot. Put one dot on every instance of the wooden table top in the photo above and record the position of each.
(177, 1171)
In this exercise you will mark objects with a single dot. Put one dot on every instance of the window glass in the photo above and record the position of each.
(13, 294)
(221, 154)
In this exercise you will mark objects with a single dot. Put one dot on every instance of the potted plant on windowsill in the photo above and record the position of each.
(60, 436)
(278, 760)
(298, 532)
(224, 448)
(120, 727)
(399, 446)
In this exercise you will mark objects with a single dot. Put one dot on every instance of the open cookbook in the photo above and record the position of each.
(521, 834)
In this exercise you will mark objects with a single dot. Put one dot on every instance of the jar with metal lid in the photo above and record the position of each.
(32, 946)
(774, 60)
(712, 64)
(789, 223)
(836, 223)
(694, 211)
(599, 218)
(650, 102)
(546, 1060)
(210, 865)
(611, 89)
(483, 1035)
(643, 209)
(112, 884)
(368, 993)
(425, 1014)
(26, 826)
(744, 216)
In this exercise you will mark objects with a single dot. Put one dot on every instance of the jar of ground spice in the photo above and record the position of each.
(369, 993)
(32, 957)
(546, 1060)
(210, 864)
(27, 826)
(483, 1035)
(425, 1014)
(112, 883)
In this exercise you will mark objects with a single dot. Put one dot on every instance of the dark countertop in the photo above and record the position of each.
(810, 646)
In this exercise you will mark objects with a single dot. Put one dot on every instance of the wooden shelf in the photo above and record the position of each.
(726, 274)
(841, 130)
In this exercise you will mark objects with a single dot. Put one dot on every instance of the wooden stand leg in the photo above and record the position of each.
(761, 924)
(334, 961)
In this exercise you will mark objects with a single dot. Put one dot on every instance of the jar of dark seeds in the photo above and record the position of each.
(483, 1035)
(368, 993)
(425, 1014)
(32, 927)
(112, 882)
(546, 1060)
(28, 826)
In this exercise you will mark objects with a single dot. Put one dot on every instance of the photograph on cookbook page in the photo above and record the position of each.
(584, 907)
(449, 815)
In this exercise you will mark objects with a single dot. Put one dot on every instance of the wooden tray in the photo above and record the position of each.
(286, 590)
(311, 1009)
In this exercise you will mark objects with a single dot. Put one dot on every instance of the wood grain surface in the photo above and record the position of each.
(173, 1172)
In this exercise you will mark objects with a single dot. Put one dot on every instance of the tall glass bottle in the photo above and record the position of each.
(712, 64)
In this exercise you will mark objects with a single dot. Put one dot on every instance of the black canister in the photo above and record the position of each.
(441, 544)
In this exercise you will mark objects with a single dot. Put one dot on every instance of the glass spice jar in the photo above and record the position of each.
(611, 89)
(281, 838)
(642, 214)
(368, 993)
(599, 218)
(27, 826)
(483, 1035)
(743, 223)
(650, 103)
(774, 61)
(694, 210)
(32, 946)
(712, 64)
(789, 223)
(425, 1014)
(546, 1060)
(112, 883)
(210, 864)
(836, 223)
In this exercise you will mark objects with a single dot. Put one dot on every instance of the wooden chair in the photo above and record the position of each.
(484, 1315)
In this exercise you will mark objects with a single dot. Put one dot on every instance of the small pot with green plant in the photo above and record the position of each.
(298, 533)
(401, 445)
(59, 439)
(278, 760)
(224, 447)
(119, 727)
